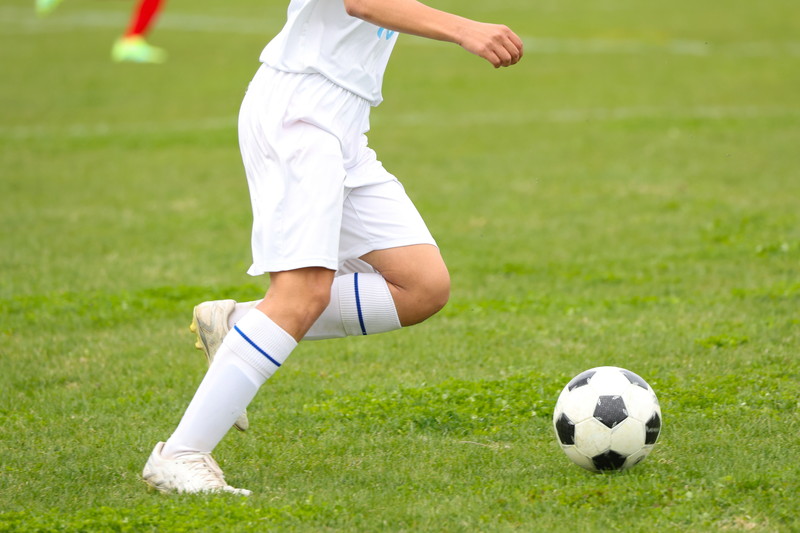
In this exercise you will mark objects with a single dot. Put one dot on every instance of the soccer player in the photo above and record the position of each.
(346, 250)
(132, 46)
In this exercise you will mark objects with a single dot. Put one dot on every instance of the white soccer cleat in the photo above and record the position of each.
(190, 474)
(210, 324)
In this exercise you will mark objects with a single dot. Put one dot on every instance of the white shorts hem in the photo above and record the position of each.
(258, 269)
(359, 251)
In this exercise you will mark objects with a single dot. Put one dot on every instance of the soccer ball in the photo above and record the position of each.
(607, 418)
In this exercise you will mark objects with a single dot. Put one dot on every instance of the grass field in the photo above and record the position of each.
(628, 195)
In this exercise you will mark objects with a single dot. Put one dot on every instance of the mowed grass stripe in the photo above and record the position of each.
(577, 115)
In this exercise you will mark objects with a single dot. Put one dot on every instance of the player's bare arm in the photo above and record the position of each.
(494, 42)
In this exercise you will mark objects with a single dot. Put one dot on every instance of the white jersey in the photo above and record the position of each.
(320, 37)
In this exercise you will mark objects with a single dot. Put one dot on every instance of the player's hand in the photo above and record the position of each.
(494, 42)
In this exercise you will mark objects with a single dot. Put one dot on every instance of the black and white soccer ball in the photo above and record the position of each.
(607, 418)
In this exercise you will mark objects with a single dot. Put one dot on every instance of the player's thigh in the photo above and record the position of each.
(378, 217)
(417, 277)
(297, 192)
(382, 227)
(415, 267)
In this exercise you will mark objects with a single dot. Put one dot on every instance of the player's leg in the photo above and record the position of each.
(296, 298)
(210, 320)
(408, 284)
(358, 303)
(417, 278)
(383, 228)
(400, 278)
(249, 355)
(297, 207)
(210, 325)
(132, 46)
(397, 277)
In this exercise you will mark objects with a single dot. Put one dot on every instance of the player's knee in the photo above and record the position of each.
(300, 295)
(316, 297)
(440, 292)
(434, 292)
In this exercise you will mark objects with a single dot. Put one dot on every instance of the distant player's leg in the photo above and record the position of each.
(132, 46)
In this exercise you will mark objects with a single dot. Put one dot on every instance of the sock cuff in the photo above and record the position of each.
(367, 305)
(260, 342)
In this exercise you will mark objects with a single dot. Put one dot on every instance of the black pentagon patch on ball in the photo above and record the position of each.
(610, 460)
(565, 429)
(581, 379)
(652, 429)
(610, 410)
(635, 379)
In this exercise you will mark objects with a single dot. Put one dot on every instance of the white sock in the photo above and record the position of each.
(241, 309)
(249, 355)
(361, 304)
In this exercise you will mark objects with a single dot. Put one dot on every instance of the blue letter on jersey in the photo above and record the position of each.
(389, 33)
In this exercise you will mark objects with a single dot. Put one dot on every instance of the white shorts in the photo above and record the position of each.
(320, 196)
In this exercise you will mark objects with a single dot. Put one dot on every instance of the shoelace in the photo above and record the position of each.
(206, 470)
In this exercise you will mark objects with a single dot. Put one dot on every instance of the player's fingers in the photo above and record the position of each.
(511, 51)
(518, 49)
(509, 55)
(494, 59)
(497, 44)
(514, 46)
(506, 59)
(517, 42)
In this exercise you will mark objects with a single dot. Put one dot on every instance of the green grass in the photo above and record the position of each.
(627, 195)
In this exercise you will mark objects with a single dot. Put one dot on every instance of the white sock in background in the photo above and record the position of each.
(361, 304)
(249, 355)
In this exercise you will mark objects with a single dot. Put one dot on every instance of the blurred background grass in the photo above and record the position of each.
(627, 194)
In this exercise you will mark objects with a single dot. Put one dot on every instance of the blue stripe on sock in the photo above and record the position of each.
(254, 345)
(358, 305)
